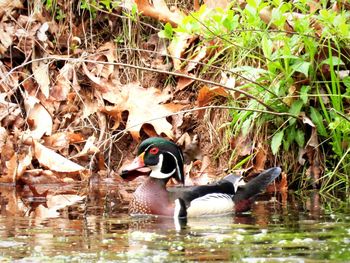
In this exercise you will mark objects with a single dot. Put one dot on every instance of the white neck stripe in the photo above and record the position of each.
(156, 170)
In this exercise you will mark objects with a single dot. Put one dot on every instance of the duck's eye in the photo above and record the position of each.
(154, 150)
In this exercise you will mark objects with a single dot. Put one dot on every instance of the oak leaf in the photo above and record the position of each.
(145, 106)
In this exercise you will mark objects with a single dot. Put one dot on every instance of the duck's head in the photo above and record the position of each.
(163, 157)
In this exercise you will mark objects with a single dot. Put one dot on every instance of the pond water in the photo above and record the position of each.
(280, 228)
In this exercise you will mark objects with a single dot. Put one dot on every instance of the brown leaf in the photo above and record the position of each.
(89, 148)
(66, 79)
(54, 161)
(8, 5)
(198, 55)
(212, 4)
(17, 165)
(260, 158)
(178, 47)
(3, 138)
(160, 11)
(38, 117)
(62, 140)
(144, 106)
(11, 166)
(242, 144)
(8, 82)
(206, 95)
(41, 75)
(183, 82)
(6, 36)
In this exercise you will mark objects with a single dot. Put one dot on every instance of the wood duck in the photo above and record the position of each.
(165, 160)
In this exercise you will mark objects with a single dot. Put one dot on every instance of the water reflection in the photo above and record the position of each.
(35, 226)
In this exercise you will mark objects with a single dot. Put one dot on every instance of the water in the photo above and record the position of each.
(279, 228)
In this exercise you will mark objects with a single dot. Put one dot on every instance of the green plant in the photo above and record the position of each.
(295, 71)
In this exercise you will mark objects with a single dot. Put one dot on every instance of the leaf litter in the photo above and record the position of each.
(73, 112)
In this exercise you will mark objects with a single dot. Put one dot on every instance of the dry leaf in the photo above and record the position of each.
(206, 95)
(177, 47)
(8, 82)
(38, 118)
(198, 55)
(89, 148)
(6, 36)
(160, 11)
(41, 75)
(144, 106)
(183, 82)
(260, 158)
(54, 161)
(11, 166)
(8, 5)
(66, 79)
(62, 140)
(16, 166)
(242, 144)
(212, 4)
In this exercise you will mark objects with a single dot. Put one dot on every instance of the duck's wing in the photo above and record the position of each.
(256, 185)
(188, 194)
(211, 199)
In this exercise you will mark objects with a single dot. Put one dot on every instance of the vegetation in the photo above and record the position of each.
(294, 60)
(280, 68)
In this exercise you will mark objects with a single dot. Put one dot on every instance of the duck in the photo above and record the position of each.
(165, 160)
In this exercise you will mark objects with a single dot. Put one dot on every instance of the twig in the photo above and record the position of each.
(203, 108)
(79, 60)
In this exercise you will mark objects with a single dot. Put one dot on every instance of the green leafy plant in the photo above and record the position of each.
(295, 72)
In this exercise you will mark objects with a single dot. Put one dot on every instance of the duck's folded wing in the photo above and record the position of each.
(256, 185)
(188, 194)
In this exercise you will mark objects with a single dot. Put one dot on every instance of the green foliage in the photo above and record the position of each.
(296, 73)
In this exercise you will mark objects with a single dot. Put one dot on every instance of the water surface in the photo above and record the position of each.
(279, 228)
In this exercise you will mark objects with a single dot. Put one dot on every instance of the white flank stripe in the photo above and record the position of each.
(211, 204)
(177, 208)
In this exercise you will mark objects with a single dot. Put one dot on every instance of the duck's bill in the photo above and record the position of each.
(135, 169)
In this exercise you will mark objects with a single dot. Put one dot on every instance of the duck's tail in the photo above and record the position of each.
(246, 193)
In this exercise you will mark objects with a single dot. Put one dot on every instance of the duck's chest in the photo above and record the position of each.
(151, 198)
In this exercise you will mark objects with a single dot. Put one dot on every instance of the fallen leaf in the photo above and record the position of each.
(66, 79)
(8, 5)
(89, 148)
(8, 82)
(198, 55)
(212, 4)
(62, 140)
(38, 117)
(52, 160)
(6, 36)
(11, 166)
(3, 137)
(243, 145)
(177, 48)
(160, 11)
(260, 158)
(144, 106)
(183, 82)
(206, 95)
(41, 75)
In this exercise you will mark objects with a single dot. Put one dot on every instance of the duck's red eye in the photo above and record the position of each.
(154, 150)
